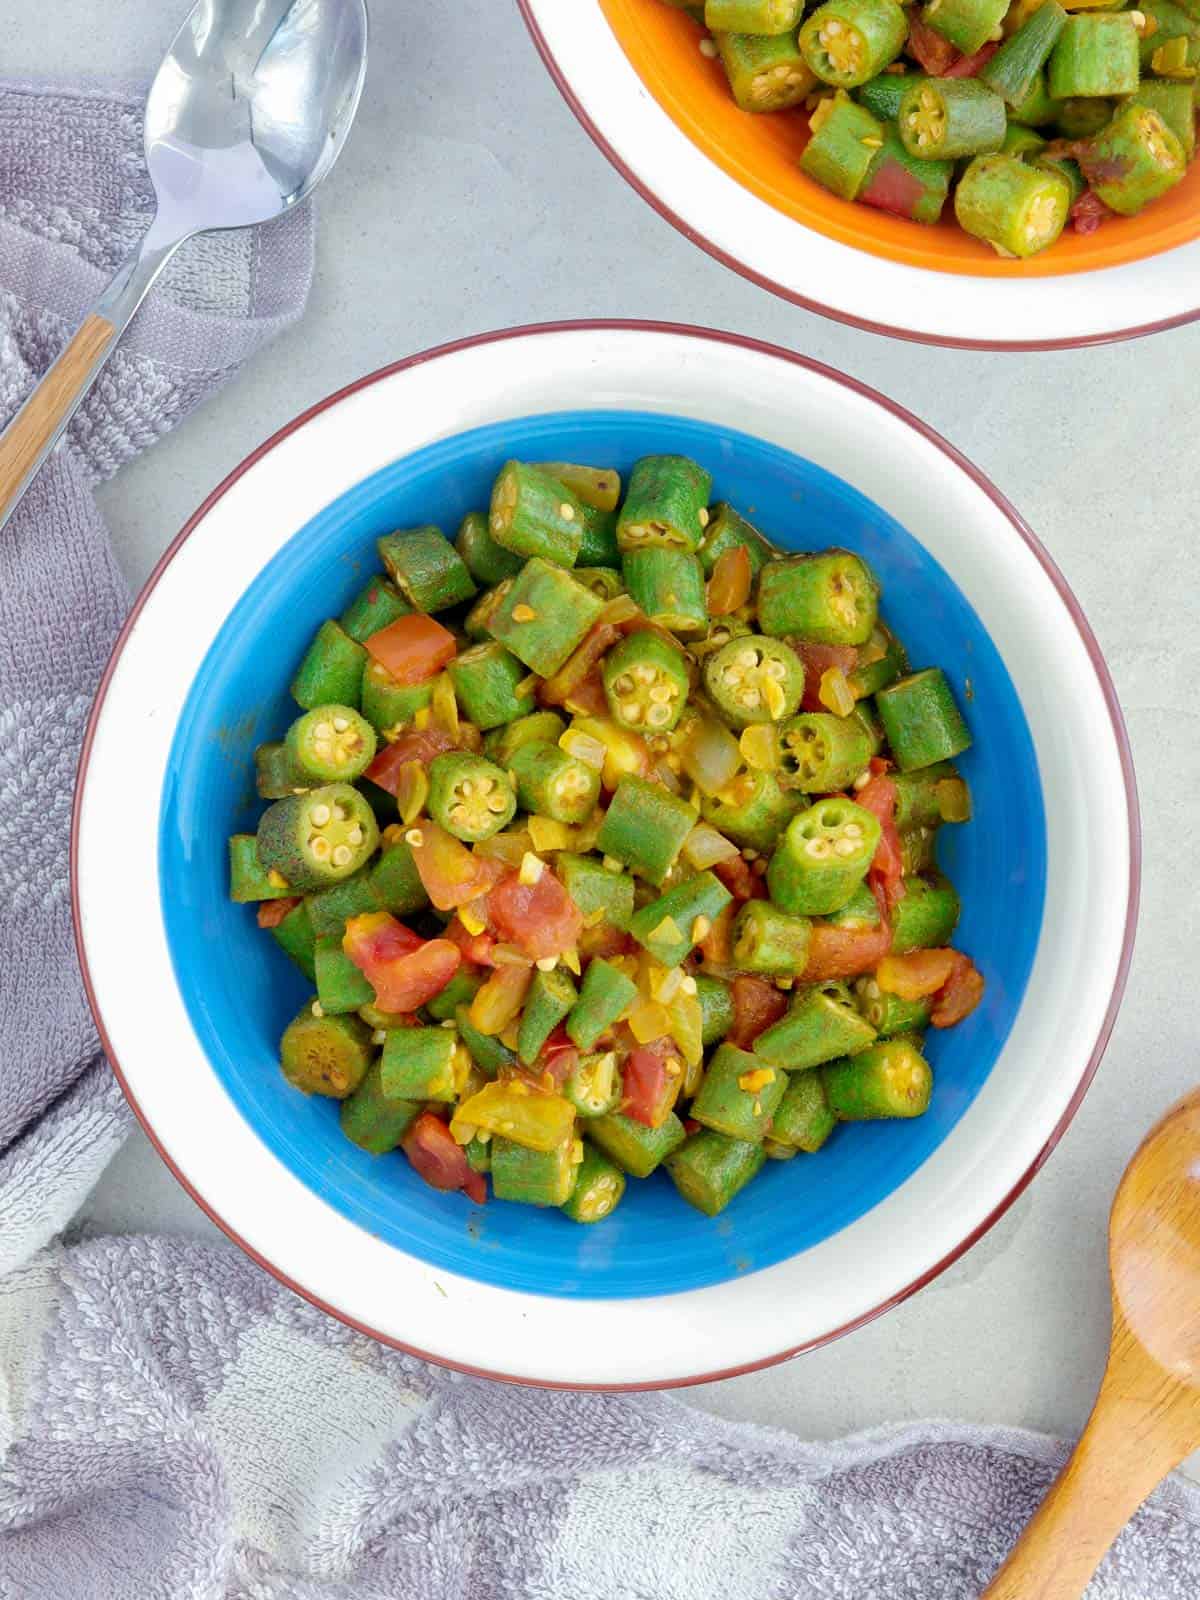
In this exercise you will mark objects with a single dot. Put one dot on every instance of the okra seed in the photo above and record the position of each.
(342, 855)
(624, 684)
(340, 724)
(566, 512)
(747, 658)
(355, 836)
(319, 816)
(845, 847)
(523, 613)
(776, 669)
(657, 715)
(414, 836)
(703, 514)
(323, 731)
(319, 847)
(817, 848)
(661, 693)
(496, 803)
(643, 673)
(709, 50)
(339, 814)
(379, 1036)
(633, 713)
(853, 830)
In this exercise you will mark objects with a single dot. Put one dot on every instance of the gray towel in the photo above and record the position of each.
(173, 1424)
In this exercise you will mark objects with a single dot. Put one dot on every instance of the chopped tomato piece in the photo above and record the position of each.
(729, 586)
(717, 945)
(735, 874)
(415, 744)
(437, 1158)
(539, 918)
(497, 1003)
(450, 872)
(605, 941)
(404, 970)
(845, 952)
(587, 698)
(1088, 212)
(599, 638)
(893, 188)
(557, 1059)
(272, 912)
(818, 659)
(476, 948)
(757, 1003)
(959, 995)
(917, 974)
(878, 796)
(968, 66)
(928, 47)
(650, 1088)
(413, 648)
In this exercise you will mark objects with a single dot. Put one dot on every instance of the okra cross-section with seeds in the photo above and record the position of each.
(630, 861)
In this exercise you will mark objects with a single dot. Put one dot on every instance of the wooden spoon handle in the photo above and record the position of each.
(31, 434)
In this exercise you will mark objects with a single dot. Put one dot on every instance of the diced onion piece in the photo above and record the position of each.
(759, 745)
(546, 834)
(709, 754)
(686, 1026)
(412, 791)
(583, 747)
(531, 869)
(444, 705)
(497, 1003)
(704, 847)
(473, 916)
(510, 847)
(649, 1020)
(835, 693)
(621, 608)
(508, 955)
(667, 777)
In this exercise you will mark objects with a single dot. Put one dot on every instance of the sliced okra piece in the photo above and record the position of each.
(635, 1148)
(1081, 118)
(829, 598)
(479, 1154)
(926, 917)
(754, 679)
(331, 671)
(331, 744)
(488, 563)
(295, 937)
(882, 95)
(478, 619)
(489, 683)
(887, 1013)
(766, 72)
(1095, 55)
(318, 838)
(770, 941)
(848, 42)
(387, 704)
(821, 753)
(550, 998)
(727, 529)
(599, 1185)
(534, 1177)
(890, 1079)
(644, 828)
(1015, 68)
(606, 994)
(551, 783)
(752, 810)
(594, 1084)
(671, 926)
(544, 616)
(945, 118)
(752, 16)
(666, 502)
(1134, 160)
(710, 1169)
(716, 1008)
(325, 1055)
(248, 878)
(460, 991)
(1037, 108)
(539, 727)
(738, 1095)
(881, 661)
(645, 683)
(426, 568)
(372, 1120)
(968, 24)
(604, 583)
(421, 1064)
(931, 796)
(668, 585)
(904, 184)
(596, 487)
(803, 1120)
(397, 882)
(488, 1054)
(341, 986)
(860, 911)
(918, 850)
(330, 909)
(275, 773)
(818, 1028)
(1160, 53)
(601, 895)
(1022, 141)
(838, 156)
(469, 796)
(919, 714)
(823, 857)
(376, 606)
(598, 547)
(533, 514)
(1175, 104)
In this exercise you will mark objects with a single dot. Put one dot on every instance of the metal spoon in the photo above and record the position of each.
(1147, 1415)
(249, 111)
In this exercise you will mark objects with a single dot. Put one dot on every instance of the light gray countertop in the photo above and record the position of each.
(469, 199)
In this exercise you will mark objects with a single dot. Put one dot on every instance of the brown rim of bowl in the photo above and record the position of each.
(806, 302)
(1019, 526)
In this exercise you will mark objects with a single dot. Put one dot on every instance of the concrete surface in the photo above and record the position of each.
(469, 199)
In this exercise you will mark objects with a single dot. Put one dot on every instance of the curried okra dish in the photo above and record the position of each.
(1037, 115)
(606, 836)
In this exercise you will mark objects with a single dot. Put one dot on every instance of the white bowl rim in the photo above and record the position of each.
(134, 1080)
(630, 128)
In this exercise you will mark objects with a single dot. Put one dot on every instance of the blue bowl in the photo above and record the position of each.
(241, 991)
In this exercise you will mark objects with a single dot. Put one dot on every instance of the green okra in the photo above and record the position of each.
(738, 1095)
(295, 937)
(1037, 108)
(803, 1120)
(860, 911)
(534, 1177)
(919, 714)
(823, 857)
(918, 850)
(539, 727)
(533, 514)
(1066, 167)
(890, 1079)
(325, 1055)
(600, 894)
(488, 563)
(544, 615)
(927, 915)
(666, 502)
(1081, 118)
(331, 671)
(479, 1154)
(1166, 22)
(397, 882)
(599, 1185)
(882, 95)
(593, 1085)
(490, 685)
(460, 991)
(374, 607)
(248, 878)
(371, 1120)
(668, 585)
(1134, 160)
(426, 568)
(644, 828)
(550, 999)
(904, 184)
(317, 838)
(331, 744)
(716, 1008)
(887, 1013)
(419, 1064)
(1021, 141)
(818, 1028)
(945, 118)
(598, 547)
(752, 16)
(604, 583)
(766, 72)
(604, 996)
(636, 1149)
(838, 156)
(388, 705)
(770, 941)
(1096, 54)
(754, 679)
(1175, 104)
(671, 926)
(828, 598)
(552, 783)
(848, 42)
(727, 529)
(469, 796)
(275, 774)
(930, 796)
(820, 753)
(341, 986)
(752, 810)
(645, 683)
(1015, 68)
(488, 1054)
(709, 1169)
(598, 488)
(968, 24)
(478, 619)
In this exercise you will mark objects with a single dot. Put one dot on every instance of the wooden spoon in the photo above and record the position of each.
(1146, 1418)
